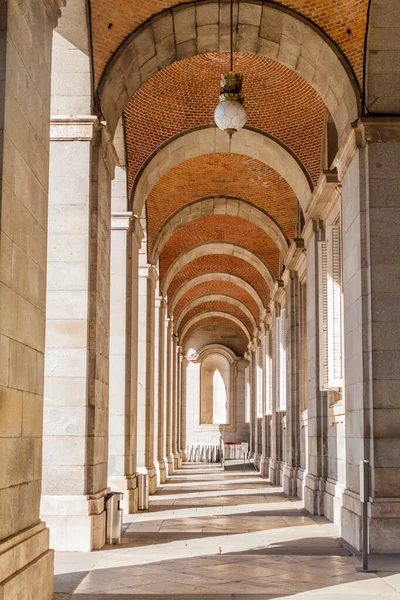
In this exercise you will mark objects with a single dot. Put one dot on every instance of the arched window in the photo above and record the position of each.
(214, 390)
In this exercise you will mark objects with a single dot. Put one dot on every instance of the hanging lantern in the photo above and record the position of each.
(230, 115)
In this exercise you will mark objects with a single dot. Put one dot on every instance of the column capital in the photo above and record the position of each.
(136, 230)
(149, 272)
(73, 127)
(376, 130)
(121, 220)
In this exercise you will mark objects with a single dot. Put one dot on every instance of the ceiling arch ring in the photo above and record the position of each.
(208, 349)
(263, 134)
(216, 276)
(211, 314)
(210, 140)
(217, 248)
(219, 205)
(263, 27)
(215, 298)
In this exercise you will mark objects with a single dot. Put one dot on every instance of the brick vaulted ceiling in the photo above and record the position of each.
(182, 96)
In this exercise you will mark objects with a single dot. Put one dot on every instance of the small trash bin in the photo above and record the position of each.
(114, 517)
(143, 484)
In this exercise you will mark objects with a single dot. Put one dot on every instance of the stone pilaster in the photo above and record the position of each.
(159, 448)
(371, 257)
(276, 420)
(121, 454)
(174, 398)
(266, 383)
(179, 406)
(77, 335)
(315, 480)
(169, 383)
(292, 458)
(145, 405)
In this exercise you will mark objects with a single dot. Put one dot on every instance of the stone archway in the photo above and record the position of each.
(217, 248)
(263, 28)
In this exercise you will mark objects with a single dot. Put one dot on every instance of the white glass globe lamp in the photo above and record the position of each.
(230, 114)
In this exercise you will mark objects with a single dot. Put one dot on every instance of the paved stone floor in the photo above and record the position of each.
(223, 536)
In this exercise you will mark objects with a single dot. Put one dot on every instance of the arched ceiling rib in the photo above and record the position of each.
(255, 149)
(230, 265)
(262, 29)
(222, 174)
(196, 320)
(217, 252)
(214, 299)
(188, 287)
(222, 206)
(216, 306)
(343, 20)
(220, 228)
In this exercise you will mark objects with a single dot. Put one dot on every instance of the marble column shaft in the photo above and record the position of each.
(77, 337)
(145, 405)
(292, 458)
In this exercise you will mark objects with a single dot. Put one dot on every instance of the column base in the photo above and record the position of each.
(180, 460)
(161, 471)
(257, 460)
(275, 471)
(127, 485)
(152, 474)
(301, 475)
(76, 523)
(314, 490)
(27, 565)
(264, 466)
(170, 463)
(289, 480)
(175, 457)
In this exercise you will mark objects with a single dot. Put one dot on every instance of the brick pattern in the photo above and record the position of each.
(217, 307)
(218, 228)
(222, 174)
(112, 21)
(220, 263)
(214, 321)
(184, 95)
(217, 287)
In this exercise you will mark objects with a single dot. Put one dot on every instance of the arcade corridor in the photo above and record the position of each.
(220, 535)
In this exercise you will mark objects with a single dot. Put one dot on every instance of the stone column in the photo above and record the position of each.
(264, 459)
(371, 261)
(159, 319)
(121, 459)
(145, 355)
(257, 391)
(77, 335)
(317, 400)
(169, 382)
(26, 563)
(292, 458)
(276, 417)
(161, 307)
(179, 406)
(184, 406)
(253, 402)
(174, 399)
